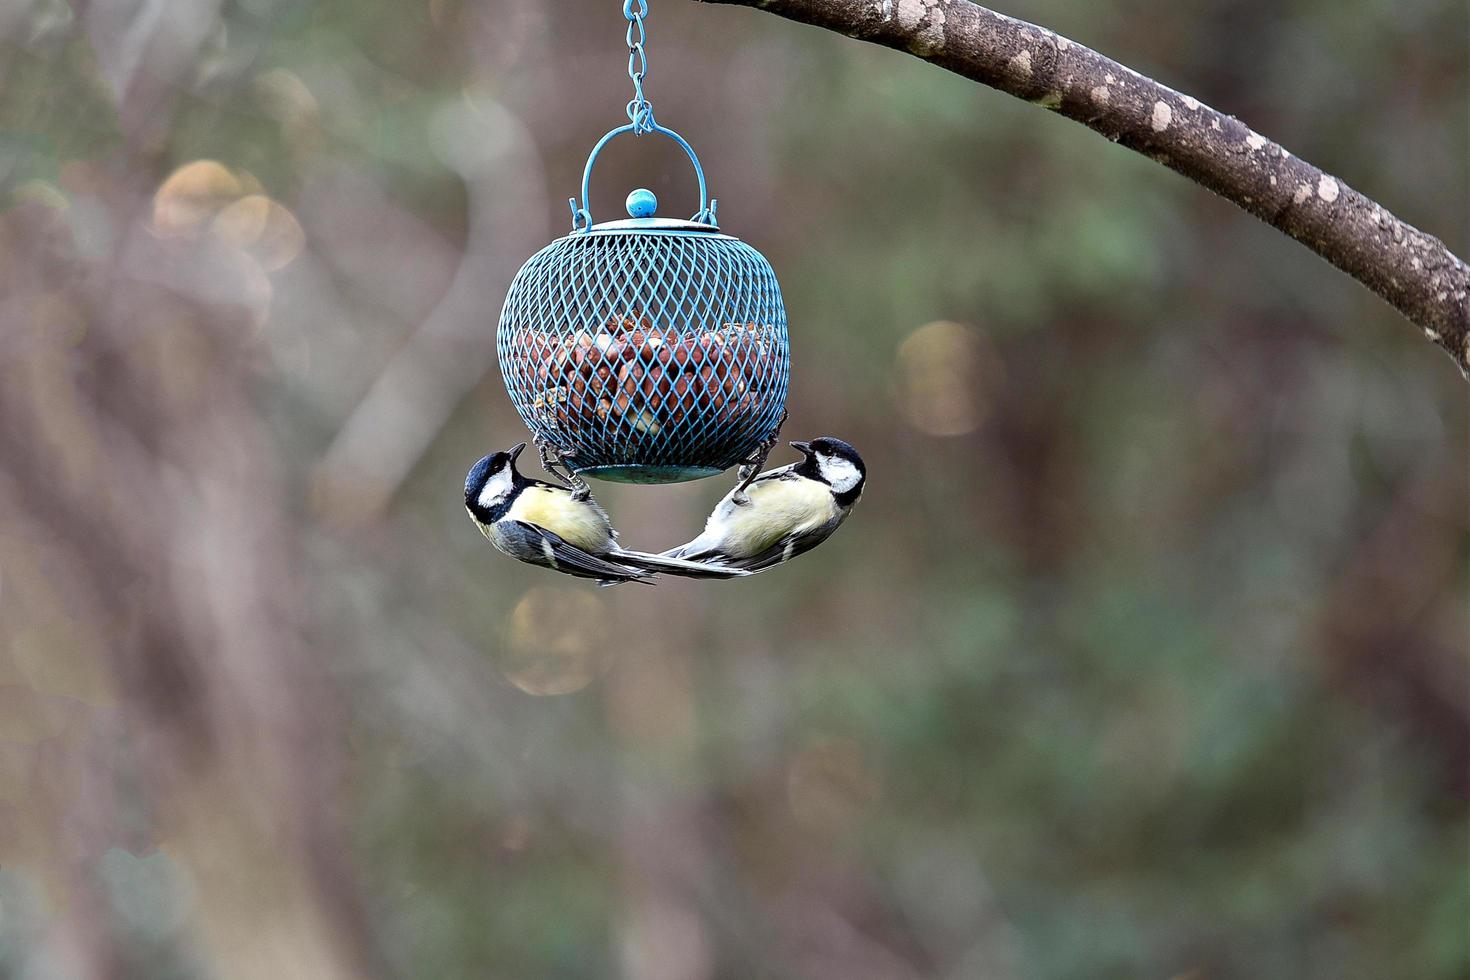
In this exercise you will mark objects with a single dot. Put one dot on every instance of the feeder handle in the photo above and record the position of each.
(582, 215)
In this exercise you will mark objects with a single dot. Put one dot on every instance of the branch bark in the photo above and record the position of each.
(1413, 271)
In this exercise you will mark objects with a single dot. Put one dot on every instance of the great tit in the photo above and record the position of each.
(546, 525)
(790, 510)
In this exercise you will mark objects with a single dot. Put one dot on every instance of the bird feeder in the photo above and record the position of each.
(646, 349)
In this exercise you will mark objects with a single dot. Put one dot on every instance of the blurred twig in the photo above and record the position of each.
(451, 351)
(1414, 271)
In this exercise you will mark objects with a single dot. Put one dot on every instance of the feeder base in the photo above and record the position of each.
(628, 473)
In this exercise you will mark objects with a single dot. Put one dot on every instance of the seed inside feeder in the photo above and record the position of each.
(629, 372)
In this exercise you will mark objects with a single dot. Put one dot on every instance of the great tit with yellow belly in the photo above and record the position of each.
(547, 525)
(790, 510)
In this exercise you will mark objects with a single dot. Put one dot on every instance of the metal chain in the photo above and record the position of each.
(640, 110)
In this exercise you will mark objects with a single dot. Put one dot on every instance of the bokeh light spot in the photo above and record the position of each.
(285, 96)
(264, 228)
(557, 642)
(191, 196)
(944, 372)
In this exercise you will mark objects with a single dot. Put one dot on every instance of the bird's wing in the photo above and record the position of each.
(709, 545)
(784, 550)
(533, 543)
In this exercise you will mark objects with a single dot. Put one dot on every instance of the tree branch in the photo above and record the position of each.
(1414, 271)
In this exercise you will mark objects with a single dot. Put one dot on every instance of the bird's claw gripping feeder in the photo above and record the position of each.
(646, 349)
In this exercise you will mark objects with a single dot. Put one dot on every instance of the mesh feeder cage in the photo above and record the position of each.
(646, 349)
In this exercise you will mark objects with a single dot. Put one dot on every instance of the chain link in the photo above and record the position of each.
(640, 110)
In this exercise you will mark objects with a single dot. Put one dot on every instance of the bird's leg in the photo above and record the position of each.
(551, 460)
(553, 463)
(753, 463)
(581, 489)
(748, 471)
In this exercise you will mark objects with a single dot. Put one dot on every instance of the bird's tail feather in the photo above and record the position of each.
(687, 553)
(607, 583)
(674, 565)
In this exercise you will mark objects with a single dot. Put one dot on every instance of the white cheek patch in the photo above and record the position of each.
(496, 489)
(839, 473)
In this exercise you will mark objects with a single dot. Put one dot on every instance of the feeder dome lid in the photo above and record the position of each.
(683, 225)
(642, 204)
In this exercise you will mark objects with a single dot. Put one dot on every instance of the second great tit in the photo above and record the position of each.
(790, 510)
(546, 525)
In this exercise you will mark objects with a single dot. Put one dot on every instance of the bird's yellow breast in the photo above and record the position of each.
(576, 522)
(779, 507)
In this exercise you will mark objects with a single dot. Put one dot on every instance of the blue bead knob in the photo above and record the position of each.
(642, 203)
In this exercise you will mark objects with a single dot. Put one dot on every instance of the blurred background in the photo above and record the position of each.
(1144, 656)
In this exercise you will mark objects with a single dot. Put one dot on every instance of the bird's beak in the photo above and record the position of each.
(804, 448)
(516, 450)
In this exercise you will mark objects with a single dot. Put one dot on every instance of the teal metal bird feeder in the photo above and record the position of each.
(646, 349)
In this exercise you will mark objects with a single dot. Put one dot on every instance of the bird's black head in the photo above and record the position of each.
(836, 464)
(492, 483)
